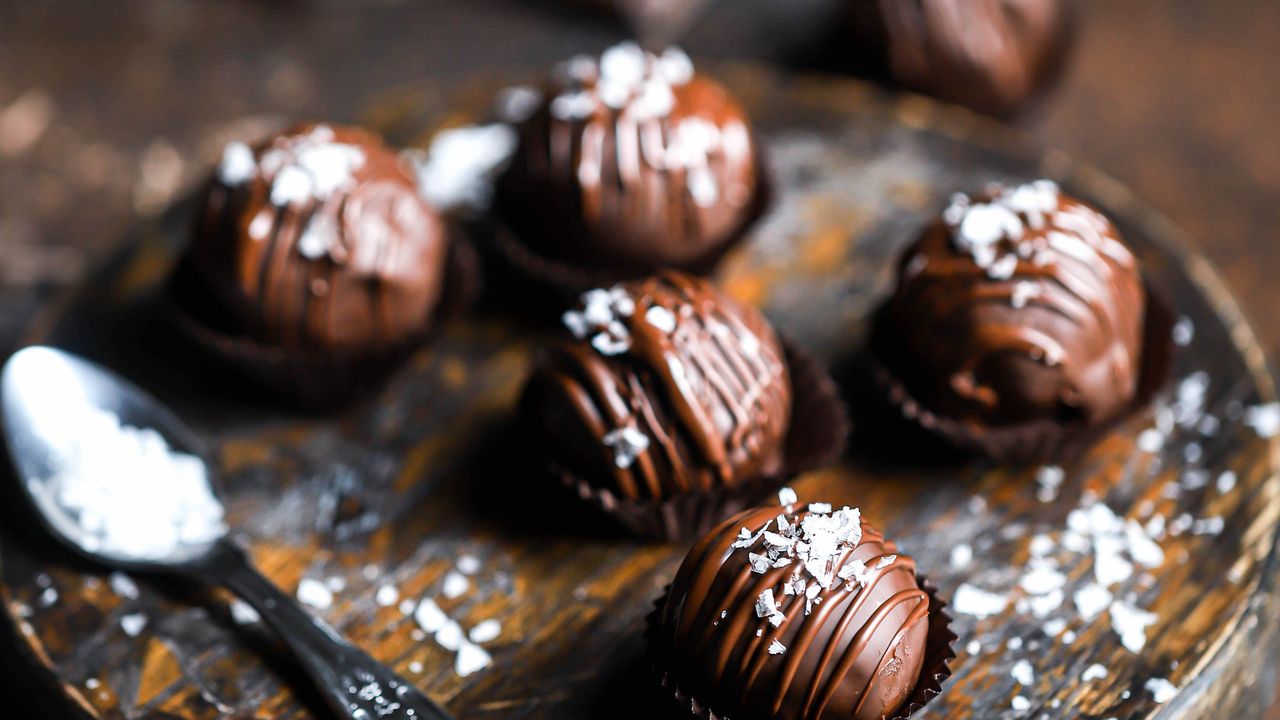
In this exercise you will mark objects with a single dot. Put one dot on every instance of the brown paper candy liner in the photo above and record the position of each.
(819, 429)
(939, 651)
(566, 280)
(1041, 440)
(316, 379)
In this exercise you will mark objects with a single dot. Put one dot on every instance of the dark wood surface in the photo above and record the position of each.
(123, 107)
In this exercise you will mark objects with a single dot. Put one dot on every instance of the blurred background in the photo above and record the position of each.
(109, 110)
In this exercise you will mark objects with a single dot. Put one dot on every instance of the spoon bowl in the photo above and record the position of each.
(50, 401)
(121, 480)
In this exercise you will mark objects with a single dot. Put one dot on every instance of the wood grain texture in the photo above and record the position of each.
(407, 482)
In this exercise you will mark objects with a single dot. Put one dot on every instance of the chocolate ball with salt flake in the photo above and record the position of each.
(632, 163)
(793, 612)
(666, 387)
(318, 238)
(1017, 322)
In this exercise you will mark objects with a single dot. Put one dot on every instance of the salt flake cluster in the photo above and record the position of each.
(813, 547)
(152, 501)
(601, 318)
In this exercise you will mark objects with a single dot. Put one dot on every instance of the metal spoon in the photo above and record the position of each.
(45, 393)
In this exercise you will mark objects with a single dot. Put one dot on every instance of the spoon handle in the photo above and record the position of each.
(353, 684)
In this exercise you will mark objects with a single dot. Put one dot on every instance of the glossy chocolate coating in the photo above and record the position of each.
(991, 55)
(853, 650)
(632, 164)
(668, 387)
(1017, 306)
(318, 238)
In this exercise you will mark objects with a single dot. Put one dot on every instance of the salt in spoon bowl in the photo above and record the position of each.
(121, 480)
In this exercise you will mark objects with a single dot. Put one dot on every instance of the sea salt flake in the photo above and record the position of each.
(1023, 673)
(242, 613)
(462, 165)
(133, 624)
(1226, 482)
(777, 648)
(314, 593)
(429, 616)
(1150, 441)
(450, 635)
(961, 556)
(1264, 419)
(1019, 703)
(1053, 628)
(386, 596)
(1208, 526)
(971, 600)
(1131, 623)
(237, 166)
(123, 585)
(1162, 691)
(627, 443)
(471, 658)
(455, 585)
(485, 631)
(1091, 600)
(1093, 672)
(468, 564)
(661, 318)
(787, 497)
(819, 507)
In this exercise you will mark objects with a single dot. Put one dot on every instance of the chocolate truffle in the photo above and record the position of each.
(633, 163)
(1016, 307)
(992, 55)
(667, 387)
(809, 614)
(317, 238)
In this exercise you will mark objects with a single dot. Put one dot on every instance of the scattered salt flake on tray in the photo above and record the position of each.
(1144, 551)
(1093, 672)
(975, 601)
(133, 624)
(1049, 479)
(961, 555)
(1053, 628)
(1019, 703)
(1130, 623)
(1208, 526)
(407, 606)
(429, 616)
(1226, 482)
(450, 635)
(973, 648)
(242, 613)
(1043, 606)
(777, 648)
(1264, 419)
(1041, 579)
(1162, 691)
(1014, 643)
(415, 667)
(1150, 441)
(1091, 600)
(314, 593)
(485, 631)
(1023, 673)
(468, 565)
(123, 585)
(471, 658)
(386, 596)
(455, 585)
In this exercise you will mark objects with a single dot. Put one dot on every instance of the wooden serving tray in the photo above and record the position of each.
(395, 490)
